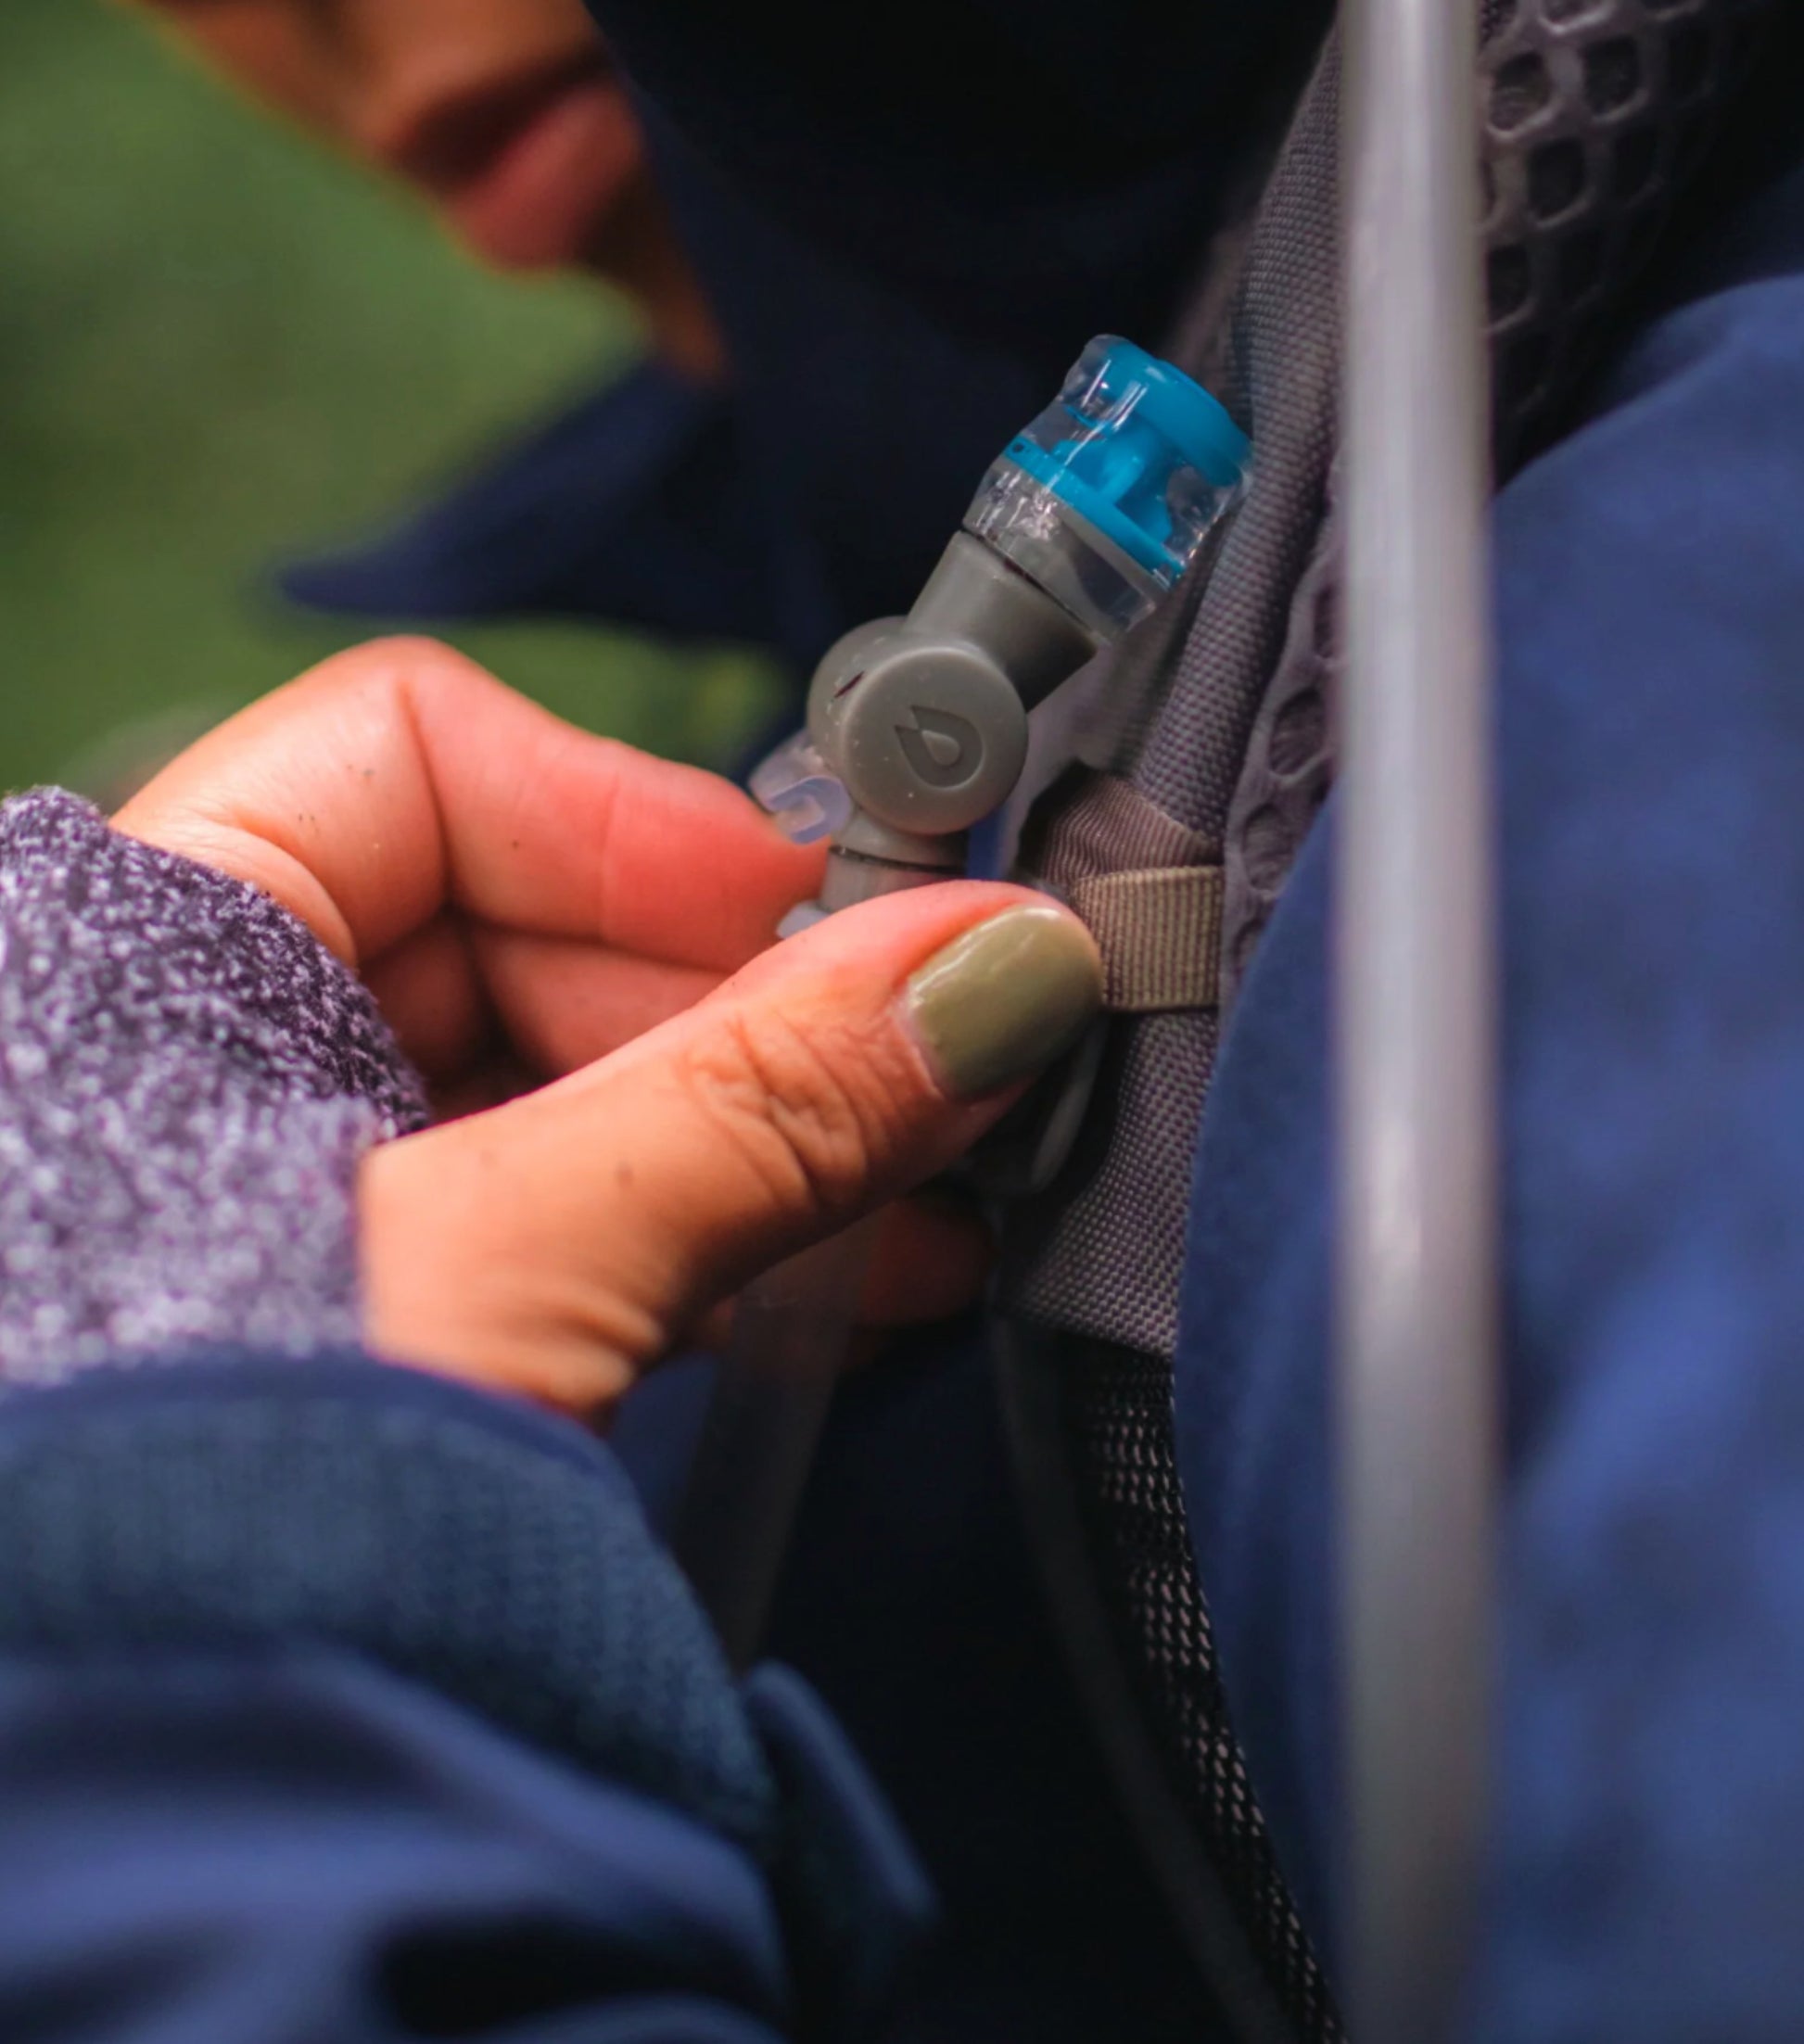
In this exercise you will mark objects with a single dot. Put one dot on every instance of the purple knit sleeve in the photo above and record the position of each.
(187, 1081)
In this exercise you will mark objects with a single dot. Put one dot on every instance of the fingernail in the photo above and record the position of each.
(1004, 1000)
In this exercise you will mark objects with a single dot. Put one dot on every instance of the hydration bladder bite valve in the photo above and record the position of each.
(917, 726)
(917, 730)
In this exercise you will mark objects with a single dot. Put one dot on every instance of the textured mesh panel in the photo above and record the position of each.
(1290, 760)
(1122, 1446)
(1597, 112)
(1278, 376)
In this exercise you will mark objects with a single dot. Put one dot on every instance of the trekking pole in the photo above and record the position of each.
(917, 730)
(1415, 1383)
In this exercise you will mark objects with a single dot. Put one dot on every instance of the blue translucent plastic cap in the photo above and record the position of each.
(1107, 498)
(1138, 450)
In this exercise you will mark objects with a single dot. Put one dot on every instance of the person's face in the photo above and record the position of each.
(505, 112)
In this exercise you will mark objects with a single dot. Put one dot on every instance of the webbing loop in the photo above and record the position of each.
(1149, 888)
(1159, 931)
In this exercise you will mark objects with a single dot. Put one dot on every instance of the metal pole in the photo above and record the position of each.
(1416, 1380)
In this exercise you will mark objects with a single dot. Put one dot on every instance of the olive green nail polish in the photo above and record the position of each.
(1003, 1000)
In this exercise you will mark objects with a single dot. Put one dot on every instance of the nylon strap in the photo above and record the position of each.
(1148, 887)
(1160, 935)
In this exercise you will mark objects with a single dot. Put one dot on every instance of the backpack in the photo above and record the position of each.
(1195, 759)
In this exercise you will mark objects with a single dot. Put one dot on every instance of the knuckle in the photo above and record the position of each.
(408, 667)
(424, 656)
(412, 655)
(797, 1106)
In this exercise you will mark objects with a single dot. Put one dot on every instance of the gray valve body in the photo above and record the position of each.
(924, 718)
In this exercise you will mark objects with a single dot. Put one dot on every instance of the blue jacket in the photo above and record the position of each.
(900, 281)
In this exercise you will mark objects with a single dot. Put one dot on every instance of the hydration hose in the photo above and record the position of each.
(1414, 1389)
(917, 730)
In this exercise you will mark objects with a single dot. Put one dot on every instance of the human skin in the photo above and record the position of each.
(535, 907)
(505, 115)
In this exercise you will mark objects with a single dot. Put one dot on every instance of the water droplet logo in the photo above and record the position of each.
(944, 751)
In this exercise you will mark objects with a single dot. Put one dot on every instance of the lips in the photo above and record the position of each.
(527, 172)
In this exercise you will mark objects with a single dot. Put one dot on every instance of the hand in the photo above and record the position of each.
(536, 908)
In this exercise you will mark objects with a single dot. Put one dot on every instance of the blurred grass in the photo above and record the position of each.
(219, 346)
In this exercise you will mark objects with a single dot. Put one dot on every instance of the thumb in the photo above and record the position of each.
(559, 1245)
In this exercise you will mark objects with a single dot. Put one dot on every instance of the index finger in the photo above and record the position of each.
(400, 777)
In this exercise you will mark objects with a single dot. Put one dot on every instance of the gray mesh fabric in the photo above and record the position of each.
(1598, 114)
(1126, 1472)
(1290, 760)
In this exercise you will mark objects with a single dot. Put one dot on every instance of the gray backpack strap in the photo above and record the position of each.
(1101, 1253)
(1596, 118)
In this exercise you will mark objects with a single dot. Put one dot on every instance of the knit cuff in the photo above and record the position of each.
(188, 1079)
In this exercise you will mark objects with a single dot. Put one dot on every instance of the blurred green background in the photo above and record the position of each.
(218, 347)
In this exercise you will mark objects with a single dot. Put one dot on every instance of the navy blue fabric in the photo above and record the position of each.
(1649, 1828)
(910, 1606)
(859, 1903)
(477, 1546)
(374, 1707)
(909, 221)
(264, 1618)
(284, 1846)
(866, 422)
(337, 1700)
(908, 227)
(814, 492)
(635, 506)
(1022, 175)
